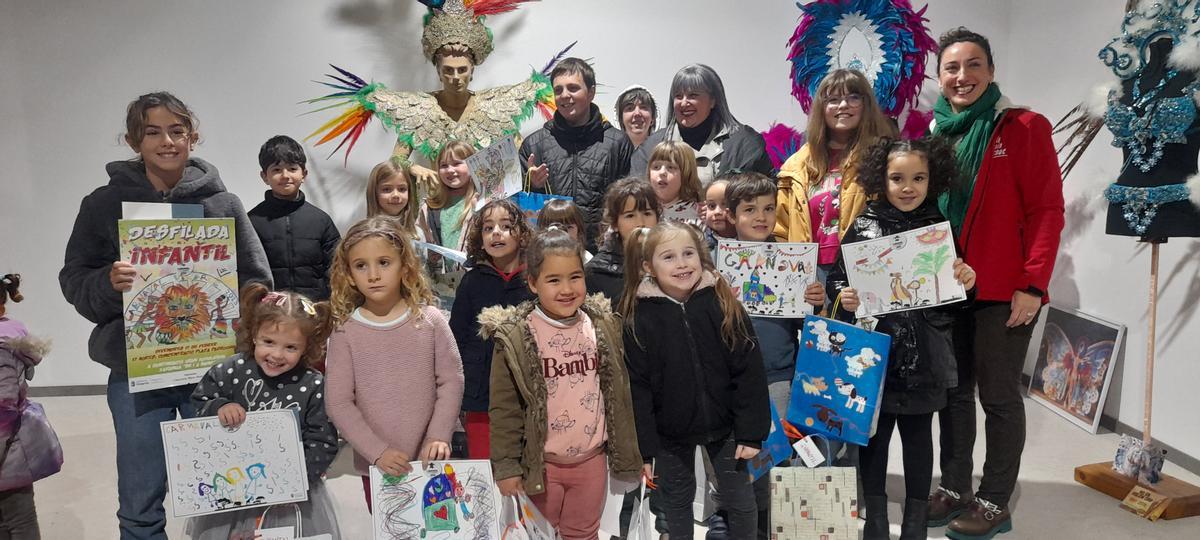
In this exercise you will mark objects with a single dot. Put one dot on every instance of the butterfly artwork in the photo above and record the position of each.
(1074, 365)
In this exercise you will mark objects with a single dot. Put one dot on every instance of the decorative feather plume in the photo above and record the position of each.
(354, 118)
(897, 32)
(555, 60)
(917, 124)
(482, 8)
(782, 141)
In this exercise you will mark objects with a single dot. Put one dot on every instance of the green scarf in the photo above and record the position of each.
(973, 127)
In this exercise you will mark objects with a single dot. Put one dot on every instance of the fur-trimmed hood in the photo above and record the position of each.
(493, 318)
(28, 349)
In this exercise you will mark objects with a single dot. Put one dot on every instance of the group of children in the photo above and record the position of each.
(559, 366)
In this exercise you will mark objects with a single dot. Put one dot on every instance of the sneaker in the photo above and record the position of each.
(944, 506)
(982, 521)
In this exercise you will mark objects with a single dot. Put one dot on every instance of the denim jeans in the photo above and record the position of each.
(675, 467)
(990, 356)
(141, 465)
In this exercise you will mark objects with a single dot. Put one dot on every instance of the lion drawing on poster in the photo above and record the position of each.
(178, 308)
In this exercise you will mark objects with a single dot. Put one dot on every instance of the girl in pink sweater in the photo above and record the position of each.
(394, 376)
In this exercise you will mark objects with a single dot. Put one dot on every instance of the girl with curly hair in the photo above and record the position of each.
(903, 180)
(395, 379)
(496, 239)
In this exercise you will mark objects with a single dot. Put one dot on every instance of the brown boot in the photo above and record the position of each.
(944, 506)
(981, 521)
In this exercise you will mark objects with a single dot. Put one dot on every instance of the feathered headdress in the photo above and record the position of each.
(461, 22)
(884, 39)
(782, 141)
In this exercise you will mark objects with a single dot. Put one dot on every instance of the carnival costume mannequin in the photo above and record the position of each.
(1152, 114)
(455, 41)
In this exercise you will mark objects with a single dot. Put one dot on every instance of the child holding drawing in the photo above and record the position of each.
(495, 241)
(282, 336)
(560, 410)
(163, 131)
(695, 372)
(395, 379)
(903, 179)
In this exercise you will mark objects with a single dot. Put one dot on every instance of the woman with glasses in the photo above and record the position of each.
(819, 195)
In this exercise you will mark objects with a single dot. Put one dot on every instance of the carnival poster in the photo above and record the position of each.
(769, 277)
(212, 469)
(180, 314)
(496, 172)
(910, 270)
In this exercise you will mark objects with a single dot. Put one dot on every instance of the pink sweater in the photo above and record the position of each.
(393, 386)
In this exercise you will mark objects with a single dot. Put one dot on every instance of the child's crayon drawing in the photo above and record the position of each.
(496, 172)
(179, 315)
(910, 270)
(768, 277)
(448, 499)
(212, 469)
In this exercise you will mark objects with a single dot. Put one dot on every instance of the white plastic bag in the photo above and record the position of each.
(522, 521)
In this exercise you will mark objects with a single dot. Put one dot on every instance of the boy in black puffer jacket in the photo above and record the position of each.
(299, 238)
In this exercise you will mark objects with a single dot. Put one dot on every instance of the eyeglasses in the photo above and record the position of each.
(852, 100)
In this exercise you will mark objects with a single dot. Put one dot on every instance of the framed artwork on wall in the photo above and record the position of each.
(1075, 361)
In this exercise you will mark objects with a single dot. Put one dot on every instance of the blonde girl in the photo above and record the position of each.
(675, 181)
(392, 192)
(695, 374)
(393, 408)
(452, 202)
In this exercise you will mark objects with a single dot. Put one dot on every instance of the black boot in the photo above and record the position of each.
(877, 520)
(916, 514)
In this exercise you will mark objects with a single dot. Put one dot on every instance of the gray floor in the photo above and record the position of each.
(80, 502)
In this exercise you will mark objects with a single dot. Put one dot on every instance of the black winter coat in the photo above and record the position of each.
(922, 339)
(605, 273)
(583, 162)
(687, 386)
(481, 287)
(300, 240)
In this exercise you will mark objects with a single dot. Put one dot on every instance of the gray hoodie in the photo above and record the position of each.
(94, 245)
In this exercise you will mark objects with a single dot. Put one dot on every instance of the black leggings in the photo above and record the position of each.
(916, 434)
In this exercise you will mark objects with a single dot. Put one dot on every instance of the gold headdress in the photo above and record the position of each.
(455, 24)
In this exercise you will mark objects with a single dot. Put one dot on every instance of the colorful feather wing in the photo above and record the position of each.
(354, 117)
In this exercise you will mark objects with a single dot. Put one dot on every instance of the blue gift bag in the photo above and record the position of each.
(839, 377)
(531, 202)
(774, 450)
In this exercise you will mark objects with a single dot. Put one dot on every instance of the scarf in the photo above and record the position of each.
(973, 128)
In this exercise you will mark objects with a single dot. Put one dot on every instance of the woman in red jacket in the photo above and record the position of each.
(1007, 214)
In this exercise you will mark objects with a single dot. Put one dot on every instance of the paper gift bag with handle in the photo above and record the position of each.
(814, 503)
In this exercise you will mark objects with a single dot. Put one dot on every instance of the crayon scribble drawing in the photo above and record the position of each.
(179, 315)
(769, 278)
(448, 499)
(496, 172)
(212, 469)
(910, 270)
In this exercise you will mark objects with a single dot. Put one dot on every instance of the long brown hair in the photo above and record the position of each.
(260, 306)
(414, 285)
(439, 197)
(382, 173)
(639, 249)
(872, 125)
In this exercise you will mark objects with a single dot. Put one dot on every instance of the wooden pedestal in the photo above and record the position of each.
(1184, 498)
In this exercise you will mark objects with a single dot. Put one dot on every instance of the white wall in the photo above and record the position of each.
(70, 67)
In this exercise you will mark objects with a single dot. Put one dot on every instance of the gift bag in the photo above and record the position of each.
(531, 202)
(814, 503)
(839, 380)
(641, 523)
(775, 449)
(33, 452)
(270, 530)
(522, 521)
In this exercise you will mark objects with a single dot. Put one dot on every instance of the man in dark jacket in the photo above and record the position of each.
(577, 153)
(299, 238)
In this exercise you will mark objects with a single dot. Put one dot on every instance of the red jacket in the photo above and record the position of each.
(1011, 231)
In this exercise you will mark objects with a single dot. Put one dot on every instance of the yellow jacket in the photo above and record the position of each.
(792, 221)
